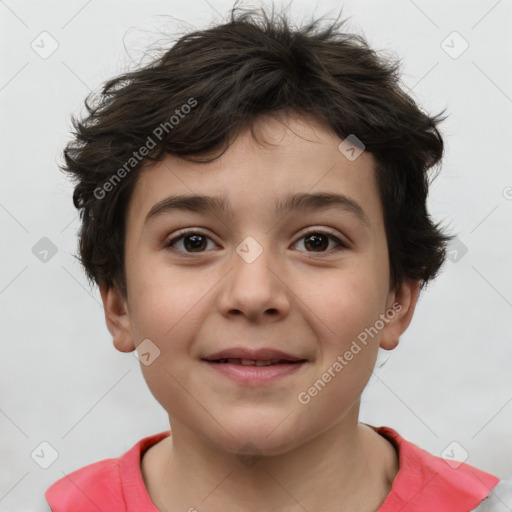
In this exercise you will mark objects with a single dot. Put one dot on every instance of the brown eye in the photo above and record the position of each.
(318, 241)
(189, 242)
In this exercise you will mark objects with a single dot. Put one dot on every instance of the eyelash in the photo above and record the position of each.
(329, 234)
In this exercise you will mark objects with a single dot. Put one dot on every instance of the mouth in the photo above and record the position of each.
(253, 362)
(247, 356)
(253, 368)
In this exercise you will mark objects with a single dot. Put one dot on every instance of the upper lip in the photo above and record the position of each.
(261, 354)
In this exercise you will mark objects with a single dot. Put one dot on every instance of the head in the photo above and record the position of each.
(255, 111)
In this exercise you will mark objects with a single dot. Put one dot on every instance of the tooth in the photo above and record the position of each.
(263, 363)
(247, 362)
(233, 361)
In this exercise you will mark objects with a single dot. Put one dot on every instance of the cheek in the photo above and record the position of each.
(163, 300)
(344, 303)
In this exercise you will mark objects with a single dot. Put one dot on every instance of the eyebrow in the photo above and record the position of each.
(292, 202)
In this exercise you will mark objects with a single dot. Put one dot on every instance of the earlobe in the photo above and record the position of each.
(400, 311)
(117, 317)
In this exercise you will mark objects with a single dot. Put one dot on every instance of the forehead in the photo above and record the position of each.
(281, 165)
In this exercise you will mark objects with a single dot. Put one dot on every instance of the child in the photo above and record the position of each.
(261, 141)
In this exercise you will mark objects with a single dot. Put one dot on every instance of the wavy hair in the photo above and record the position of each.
(255, 63)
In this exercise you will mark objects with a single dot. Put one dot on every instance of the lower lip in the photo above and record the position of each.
(252, 375)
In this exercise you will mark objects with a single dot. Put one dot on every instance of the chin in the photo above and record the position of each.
(256, 435)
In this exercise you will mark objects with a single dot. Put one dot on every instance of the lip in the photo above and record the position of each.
(256, 375)
(261, 354)
(252, 375)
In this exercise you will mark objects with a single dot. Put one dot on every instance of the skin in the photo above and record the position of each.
(311, 303)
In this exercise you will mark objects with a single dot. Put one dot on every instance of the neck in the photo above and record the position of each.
(348, 467)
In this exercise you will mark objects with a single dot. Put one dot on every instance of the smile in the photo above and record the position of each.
(255, 362)
(251, 372)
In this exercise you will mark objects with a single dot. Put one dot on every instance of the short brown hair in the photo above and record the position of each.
(228, 74)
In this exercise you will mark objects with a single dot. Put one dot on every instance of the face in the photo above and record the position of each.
(306, 281)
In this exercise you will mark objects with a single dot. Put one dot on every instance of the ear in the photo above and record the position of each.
(117, 317)
(401, 302)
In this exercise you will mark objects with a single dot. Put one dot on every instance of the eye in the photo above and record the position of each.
(318, 239)
(192, 241)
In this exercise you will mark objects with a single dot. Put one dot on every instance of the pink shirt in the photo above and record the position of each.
(424, 483)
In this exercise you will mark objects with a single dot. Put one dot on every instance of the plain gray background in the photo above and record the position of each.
(61, 380)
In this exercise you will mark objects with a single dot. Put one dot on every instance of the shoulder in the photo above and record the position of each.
(426, 480)
(109, 482)
(99, 482)
(499, 499)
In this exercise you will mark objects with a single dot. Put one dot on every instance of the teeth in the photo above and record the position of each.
(249, 362)
(264, 363)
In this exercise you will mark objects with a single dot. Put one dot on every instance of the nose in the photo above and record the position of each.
(254, 287)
